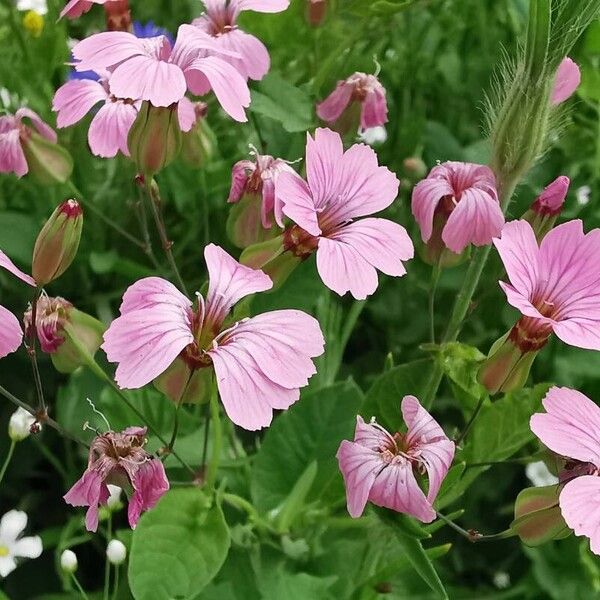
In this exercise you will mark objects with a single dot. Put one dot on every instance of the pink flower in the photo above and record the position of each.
(341, 187)
(382, 468)
(110, 126)
(150, 69)
(567, 80)
(552, 198)
(363, 89)
(75, 8)
(260, 363)
(119, 459)
(51, 315)
(220, 22)
(14, 134)
(571, 428)
(258, 177)
(463, 198)
(11, 334)
(556, 286)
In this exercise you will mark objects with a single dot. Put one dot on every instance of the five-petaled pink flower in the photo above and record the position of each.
(150, 69)
(110, 126)
(260, 363)
(220, 22)
(75, 8)
(383, 468)
(119, 459)
(570, 427)
(566, 81)
(342, 186)
(461, 200)
(14, 133)
(258, 177)
(11, 334)
(556, 286)
(363, 89)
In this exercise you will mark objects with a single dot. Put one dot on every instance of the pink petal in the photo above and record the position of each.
(75, 99)
(149, 484)
(294, 195)
(9, 265)
(334, 105)
(228, 282)
(425, 198)
(265, 6)
(476, 219)
(579, 504)
(372, 436)
(432, 444)
(374, 109)
(11, 334)
(582, 333)
(12, 159)
(571, 425)
(186, 114)
(75, 8)
(359, 466)
(521, 302)
(239, 176)
(323, 159)
(110, 127)
(343, 269)
(193, 43)
(42, 128)
(90, 491)
(151, 292)
(553, 195)
(568, 78)
(229, 86)
(254, 62)
(107, 49)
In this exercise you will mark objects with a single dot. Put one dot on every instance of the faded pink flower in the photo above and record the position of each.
(258, 177)
(150, 69)
(567, 80)
(383, 468)
(110, 126)
(556, 286)
(342, 186)
(552, 198)
(75, 8)
(11, 334)
(51, 315)
(119, 459)
(363, 89)
(220, 22)
(461, 200)
(260, 363)
(14, 133)
(571, 428)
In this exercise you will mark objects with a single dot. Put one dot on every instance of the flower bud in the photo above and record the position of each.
(57, 242)
(317, 10)
(53, 317)
(154, 138)
(68, 561)
(547, 206)
(199, 143)
(19, 426)
(537, 516)
(415, 168)
(116, 552)
(184, 383)
(33, 22)
(118, 15)
(48, 162)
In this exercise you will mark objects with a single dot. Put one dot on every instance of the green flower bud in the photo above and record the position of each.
(57, 242)
(48, 162)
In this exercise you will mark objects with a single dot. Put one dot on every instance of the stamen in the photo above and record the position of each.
(377, 66)
(100, 414)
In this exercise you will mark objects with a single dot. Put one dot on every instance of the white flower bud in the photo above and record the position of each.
(68, 561)
(19, 426)
(114, 500)
(116, 552)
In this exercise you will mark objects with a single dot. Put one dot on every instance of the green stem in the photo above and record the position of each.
(175, 428)
(9, 456)
(435, 277)
(464, 432)
(116, 586)
(215, 458)
(253, 515)
(91, 363)
(106, 561)
(475, 536)
(31, 349)
(79, 588)
(154, 199)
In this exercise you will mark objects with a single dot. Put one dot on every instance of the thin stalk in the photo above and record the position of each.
(213, 465)
(470, 422)
(253, 515)
(155, 202)
(31, 350)
(45, 419)
(107, 562)
(261, 141)
(79, 588)
(206, 432)
(143, 219)
(11, 451)
(435, 277)
(475, 536)
(116, 585)
(175, 428)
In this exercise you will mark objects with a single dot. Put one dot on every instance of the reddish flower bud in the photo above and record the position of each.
(547, 206)
(57, 242)
(154, 138)
(118, 15)
(317, 10)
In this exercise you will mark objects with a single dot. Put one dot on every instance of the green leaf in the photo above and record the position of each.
(178, 547)
(294, 503)
(280, 100)
(17, 236)
(279, 584)
(390, 7)
(311, 430)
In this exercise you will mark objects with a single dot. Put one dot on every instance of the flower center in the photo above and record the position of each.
(299, 242)
(4, 551)
(530, 334)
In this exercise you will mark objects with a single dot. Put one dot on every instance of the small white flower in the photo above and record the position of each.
(13, 546)
(373, 135)
(116, 552)
(501, 580)
(114, 500)
(68, 561)
(39, 6)
(583, 194)
(19, 426)
(539, 475)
